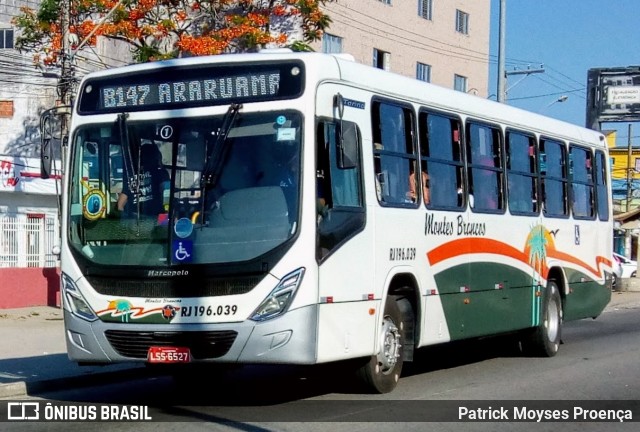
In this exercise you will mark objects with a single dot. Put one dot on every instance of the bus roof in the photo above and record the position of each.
(387, 83)
(447, 99)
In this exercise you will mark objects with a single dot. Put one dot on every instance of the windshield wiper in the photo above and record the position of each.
(216, 157)
(126, 150)
(132, 179)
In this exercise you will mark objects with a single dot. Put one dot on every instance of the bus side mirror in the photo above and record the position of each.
(45, 158)
(347, 142)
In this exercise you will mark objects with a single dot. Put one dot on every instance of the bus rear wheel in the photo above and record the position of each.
(382, 371)
(545, 339)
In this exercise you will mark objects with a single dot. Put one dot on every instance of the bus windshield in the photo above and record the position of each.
(138, 196)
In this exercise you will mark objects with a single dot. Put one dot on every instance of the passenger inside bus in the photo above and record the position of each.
(413, 193)
(151, 176)
(282, 169)
(484, 185)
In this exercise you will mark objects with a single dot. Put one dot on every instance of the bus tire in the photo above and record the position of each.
(380, 374)
(545, 339)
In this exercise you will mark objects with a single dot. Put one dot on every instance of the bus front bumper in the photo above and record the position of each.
(287, 339)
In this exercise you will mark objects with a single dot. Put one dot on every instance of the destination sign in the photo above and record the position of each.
(191, 86)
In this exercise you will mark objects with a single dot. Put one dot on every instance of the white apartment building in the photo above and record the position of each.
(445, 42)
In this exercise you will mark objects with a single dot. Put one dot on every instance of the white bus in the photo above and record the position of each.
(312, 210)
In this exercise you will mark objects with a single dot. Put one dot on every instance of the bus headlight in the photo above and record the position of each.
(278, 301)
(74, 299)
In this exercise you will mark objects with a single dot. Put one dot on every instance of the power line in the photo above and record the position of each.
(473, 55)
(544, 95)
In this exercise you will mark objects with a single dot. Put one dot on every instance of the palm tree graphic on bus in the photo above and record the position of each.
(538, 241)
(122, 307)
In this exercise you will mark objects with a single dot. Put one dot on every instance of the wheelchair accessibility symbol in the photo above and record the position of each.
(182, 250)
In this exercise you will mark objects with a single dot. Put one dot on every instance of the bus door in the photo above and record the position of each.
(344, 240)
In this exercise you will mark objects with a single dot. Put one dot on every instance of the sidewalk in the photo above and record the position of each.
(33, 355)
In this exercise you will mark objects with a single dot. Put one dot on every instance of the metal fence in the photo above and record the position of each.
(27, 241)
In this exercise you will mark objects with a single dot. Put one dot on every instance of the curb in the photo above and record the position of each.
(18, 388)
(30, 388)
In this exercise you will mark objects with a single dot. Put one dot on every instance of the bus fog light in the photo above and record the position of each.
(278, 301)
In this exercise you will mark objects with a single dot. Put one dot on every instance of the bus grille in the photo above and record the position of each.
(167, 288)
(203, 344)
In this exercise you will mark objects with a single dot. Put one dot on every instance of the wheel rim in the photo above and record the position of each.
(553, 320)
(389, 346)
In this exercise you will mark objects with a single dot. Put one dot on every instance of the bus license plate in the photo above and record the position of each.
(160, 354)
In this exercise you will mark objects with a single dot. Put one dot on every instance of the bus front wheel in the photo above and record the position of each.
(545, 339)
(382, 371)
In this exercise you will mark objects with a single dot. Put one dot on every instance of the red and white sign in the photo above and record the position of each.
(21, 174)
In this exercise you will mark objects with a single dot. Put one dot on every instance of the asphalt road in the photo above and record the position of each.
(599, 361)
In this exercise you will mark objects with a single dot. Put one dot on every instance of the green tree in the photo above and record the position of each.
(162, 29)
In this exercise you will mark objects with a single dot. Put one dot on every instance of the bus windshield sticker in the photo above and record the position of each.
(182, 250)
(286, 134)
(94, 204)
(183, 227)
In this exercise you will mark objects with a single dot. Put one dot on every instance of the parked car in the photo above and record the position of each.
(616, 272)
(629, 267)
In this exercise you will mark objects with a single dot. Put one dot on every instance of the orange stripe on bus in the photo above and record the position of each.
(475, 245)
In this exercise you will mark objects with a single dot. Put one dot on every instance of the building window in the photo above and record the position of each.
(6, 38)
(460, 83)
(425, 9)
(423, 72)
(462, 22)
(331, 43)
(385, 1)
(381, 59)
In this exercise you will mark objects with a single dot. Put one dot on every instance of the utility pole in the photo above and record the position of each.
(628, 241)
(629, 169)
(525, 72)
(65, 85)
(62, 110)
(502, 73)
(502, 76)
(66, 72)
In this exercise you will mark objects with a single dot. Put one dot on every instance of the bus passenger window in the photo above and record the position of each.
(553, 172)
(582, 185)
(522, 177)
(601, 186)
(485, 173)
(394, 155)
(441, 161)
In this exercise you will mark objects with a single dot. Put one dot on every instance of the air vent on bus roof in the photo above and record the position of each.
(274, 50)
(344, 56)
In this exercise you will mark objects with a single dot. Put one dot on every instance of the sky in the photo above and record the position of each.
(566, 38)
